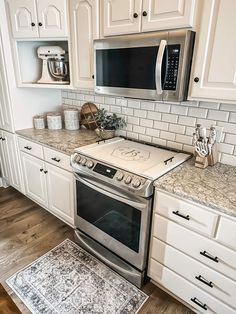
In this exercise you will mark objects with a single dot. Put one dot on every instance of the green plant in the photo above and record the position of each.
(109, 121)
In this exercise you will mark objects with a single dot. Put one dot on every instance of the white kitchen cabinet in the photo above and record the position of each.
(9, 160)
(38, 18)
(48, 179)
(84, 26)
(60, 189)
(214, 70)
(200, 259)
(134, 16)
(6, 120)
(34, 178)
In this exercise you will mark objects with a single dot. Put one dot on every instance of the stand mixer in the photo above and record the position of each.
(55, 70)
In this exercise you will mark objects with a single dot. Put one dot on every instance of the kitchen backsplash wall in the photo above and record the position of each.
(168, 124)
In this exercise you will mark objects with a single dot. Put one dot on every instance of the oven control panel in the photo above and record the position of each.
(119, 177)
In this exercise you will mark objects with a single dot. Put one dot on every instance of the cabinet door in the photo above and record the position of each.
(52, 18)
(12, 161)
(84, 17)
(5, 166)
(35, 178)
(167, 14)
(214, 72)
(6, 121)
(121, 17)
(60, 193)
(23, 17)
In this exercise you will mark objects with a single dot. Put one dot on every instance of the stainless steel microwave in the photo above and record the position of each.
(148, 66)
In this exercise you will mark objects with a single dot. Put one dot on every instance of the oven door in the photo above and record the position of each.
(118, 220)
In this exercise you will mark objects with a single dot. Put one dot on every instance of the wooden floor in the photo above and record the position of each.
(27, 231)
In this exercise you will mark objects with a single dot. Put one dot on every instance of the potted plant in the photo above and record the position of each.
(108, 123)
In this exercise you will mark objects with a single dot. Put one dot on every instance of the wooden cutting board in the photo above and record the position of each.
(7, 306)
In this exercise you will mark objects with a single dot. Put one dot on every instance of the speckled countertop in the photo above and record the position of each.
(63, 140)
(214, 187)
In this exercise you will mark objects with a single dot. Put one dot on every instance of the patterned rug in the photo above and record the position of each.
(68, 280)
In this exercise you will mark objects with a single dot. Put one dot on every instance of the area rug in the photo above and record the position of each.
(68, 280)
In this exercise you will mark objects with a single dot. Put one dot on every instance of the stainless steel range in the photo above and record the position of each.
(114, 187)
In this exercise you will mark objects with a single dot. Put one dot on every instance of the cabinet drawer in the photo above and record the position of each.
(190, 215)
(227, 232)
(30, 147)
(57, 158)
(186, 291)
(200, 275)
(205, 250)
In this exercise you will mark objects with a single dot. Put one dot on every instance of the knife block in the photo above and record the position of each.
(209, 160)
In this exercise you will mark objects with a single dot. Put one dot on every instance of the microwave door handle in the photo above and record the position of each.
(159, 61)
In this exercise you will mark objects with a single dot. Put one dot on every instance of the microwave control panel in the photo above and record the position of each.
(172, 67)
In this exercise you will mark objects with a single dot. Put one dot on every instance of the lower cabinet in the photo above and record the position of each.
(49, 185)
(9, 160)
(188, 259)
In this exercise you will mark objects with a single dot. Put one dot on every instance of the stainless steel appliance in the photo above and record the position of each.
(114, 186)
(55, 69)
(148, 66)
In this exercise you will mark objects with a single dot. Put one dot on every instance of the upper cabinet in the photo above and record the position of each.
(84, 23)
(38, 18)
(134, 16)
(214, 71)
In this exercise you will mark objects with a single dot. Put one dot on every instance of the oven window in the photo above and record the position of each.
(119, 220)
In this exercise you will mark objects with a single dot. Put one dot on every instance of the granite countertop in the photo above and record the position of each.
(214, 187)
(62, 140)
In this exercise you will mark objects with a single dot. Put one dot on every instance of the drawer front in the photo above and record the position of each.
(204, 250)
(200, 275)
(57, 158)
(185, 213)
(186, 291)
(30, 147)
(227, 232)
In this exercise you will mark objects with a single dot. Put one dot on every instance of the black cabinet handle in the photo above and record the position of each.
(92, 76)
(214, 259)
(135, 15)
(3, 139)
(55, 159)
(45, 171)
(33, 24)
(40, 24)
(203, 280)
(199, 303)
(28, 147)
(41, 170)
(177, 213)
(144, 13)
(0, 138)
(196, 79)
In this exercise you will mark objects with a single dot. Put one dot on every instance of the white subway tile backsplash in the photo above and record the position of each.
(176, 128)
(197, 112)
(162, 107)
(147, 105)
(161, 125)
(218, 115)
(167, 135)
(167, 117)
(166, 124)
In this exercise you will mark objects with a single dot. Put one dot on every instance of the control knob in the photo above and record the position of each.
(90, 164)
(77, 159)
(128, 180)
(83, 161)
(119, 176)
(136, 183)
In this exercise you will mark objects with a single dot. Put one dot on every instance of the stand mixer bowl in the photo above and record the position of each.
(59, 69)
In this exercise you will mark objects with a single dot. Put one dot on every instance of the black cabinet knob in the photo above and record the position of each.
(135, 15)
(3, 139)
(92, 76)
(45, 172)
(32, 24)
(144, 13)
(41, 170)
(40, 24)
(196, 79)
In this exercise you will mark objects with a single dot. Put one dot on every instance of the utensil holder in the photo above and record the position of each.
(209, 160)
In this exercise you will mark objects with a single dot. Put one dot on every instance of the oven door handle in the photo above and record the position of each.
(113, 193)
(159, 61)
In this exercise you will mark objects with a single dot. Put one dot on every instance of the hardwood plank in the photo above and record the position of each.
(28, 231)
(7, 306)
